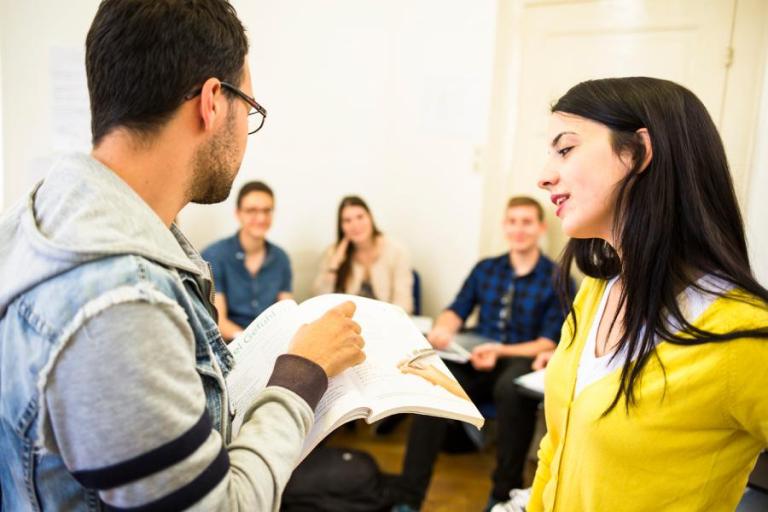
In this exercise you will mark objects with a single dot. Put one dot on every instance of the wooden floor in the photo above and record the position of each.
(461, 482)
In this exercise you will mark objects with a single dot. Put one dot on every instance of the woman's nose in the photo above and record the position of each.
(548, 177)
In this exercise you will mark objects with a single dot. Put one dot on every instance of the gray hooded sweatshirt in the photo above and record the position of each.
(122, 382)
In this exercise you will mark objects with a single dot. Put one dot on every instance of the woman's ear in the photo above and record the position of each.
(645, 137)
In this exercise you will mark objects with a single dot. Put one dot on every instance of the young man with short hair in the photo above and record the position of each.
(250, 273)
(113, 368)
(520, 310)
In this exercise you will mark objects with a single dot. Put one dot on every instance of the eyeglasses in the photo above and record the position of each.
(257, 211)
(256, 115)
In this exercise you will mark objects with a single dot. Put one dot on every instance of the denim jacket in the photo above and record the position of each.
(81, 242)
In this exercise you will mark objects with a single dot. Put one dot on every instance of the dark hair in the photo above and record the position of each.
(516, 201)
(344, 270)
(675, 220)
(253, 186)
(143, 56)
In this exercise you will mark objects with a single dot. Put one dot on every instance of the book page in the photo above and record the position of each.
(417, 395)
(341, 403)
(423, 323)
(392, 391)
(533, 381)
(388, 331)
(255, 352)
(469, 340)
(460, 348)
(455, 352)
(390, 338)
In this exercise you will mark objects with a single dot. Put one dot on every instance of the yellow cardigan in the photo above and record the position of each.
(687, 446)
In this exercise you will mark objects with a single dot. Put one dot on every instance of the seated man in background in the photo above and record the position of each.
(519, 308)
(249, 272)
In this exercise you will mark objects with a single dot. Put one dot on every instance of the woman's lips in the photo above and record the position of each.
(560, 208)
(559, 201)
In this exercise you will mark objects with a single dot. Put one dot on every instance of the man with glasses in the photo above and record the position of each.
(250, 273)
(113, 368)
(520, 312)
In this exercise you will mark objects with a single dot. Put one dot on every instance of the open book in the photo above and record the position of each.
(372, 390)
(460, 348)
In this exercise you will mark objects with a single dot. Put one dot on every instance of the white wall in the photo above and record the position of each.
(30, 32)
(757, 206)
(382, 99)
(388, 100)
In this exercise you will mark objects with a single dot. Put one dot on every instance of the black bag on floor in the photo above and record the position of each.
(336, 480)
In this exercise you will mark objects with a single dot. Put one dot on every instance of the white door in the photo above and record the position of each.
(562, 43)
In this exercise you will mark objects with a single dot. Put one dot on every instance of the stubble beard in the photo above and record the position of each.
(215, 167)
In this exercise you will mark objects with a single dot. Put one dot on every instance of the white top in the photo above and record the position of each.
(693, 302)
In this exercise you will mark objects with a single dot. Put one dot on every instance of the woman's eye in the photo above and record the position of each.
(565, 150)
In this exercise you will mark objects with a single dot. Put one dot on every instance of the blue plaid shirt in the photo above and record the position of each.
(534, 311)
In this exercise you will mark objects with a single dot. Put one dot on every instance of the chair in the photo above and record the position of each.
(416, 293)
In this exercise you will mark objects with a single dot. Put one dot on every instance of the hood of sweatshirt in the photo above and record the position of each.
(82, 211)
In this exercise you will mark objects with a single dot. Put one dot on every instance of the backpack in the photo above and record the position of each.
(334, 479)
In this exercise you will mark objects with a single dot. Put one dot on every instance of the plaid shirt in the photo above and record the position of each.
(534, 312)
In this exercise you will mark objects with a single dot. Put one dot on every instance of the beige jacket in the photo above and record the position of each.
(391, 275)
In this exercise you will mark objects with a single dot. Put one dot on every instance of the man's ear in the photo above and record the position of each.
(646, 138)
(210, 104)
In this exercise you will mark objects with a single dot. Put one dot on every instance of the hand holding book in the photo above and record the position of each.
(333, 341)
(373, 389)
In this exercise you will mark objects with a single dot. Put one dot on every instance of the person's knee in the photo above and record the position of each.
(505, 388)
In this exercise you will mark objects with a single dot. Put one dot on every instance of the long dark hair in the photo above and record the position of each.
(675, 220)
(344, 270)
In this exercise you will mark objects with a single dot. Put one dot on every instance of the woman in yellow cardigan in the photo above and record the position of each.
(657, 395)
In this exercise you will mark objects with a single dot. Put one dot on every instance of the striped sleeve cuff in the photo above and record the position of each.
(148, 463)
(123, 482)
(300, 375)
(188, 495)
